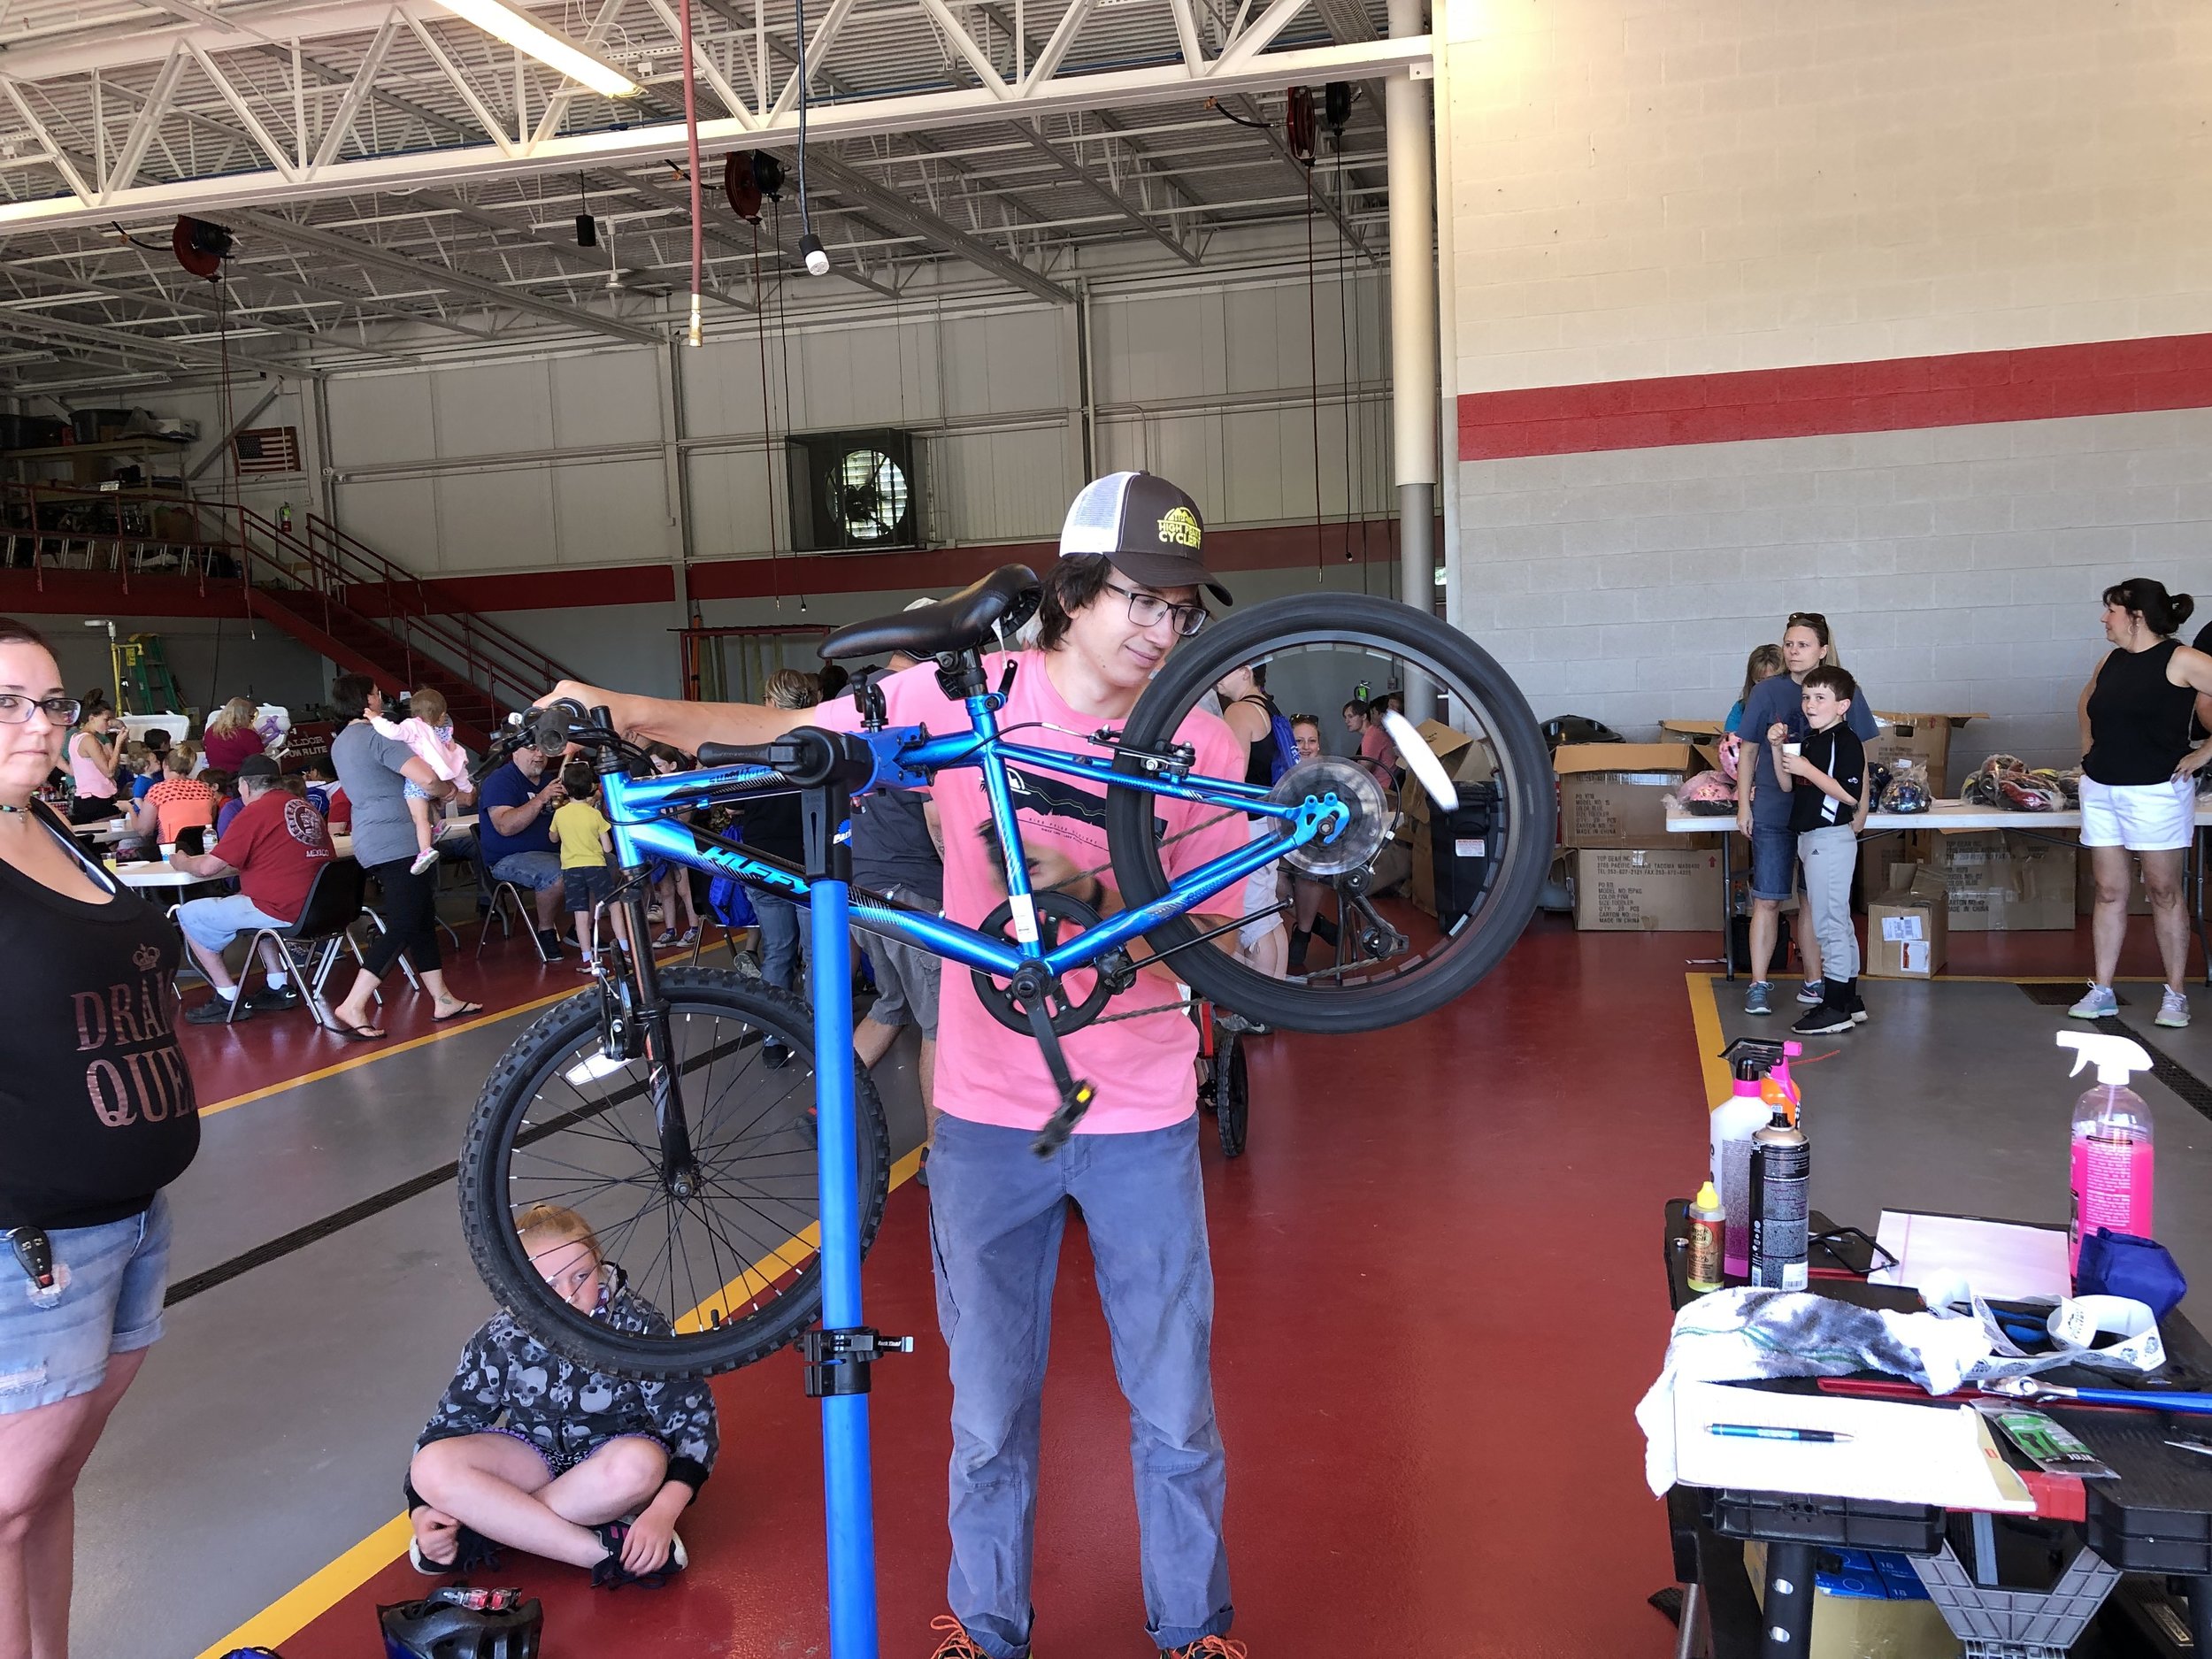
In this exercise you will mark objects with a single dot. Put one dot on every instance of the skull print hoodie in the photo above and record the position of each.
(509, 1380)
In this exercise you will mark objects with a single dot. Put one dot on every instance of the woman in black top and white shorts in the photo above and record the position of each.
(96, 1116)
(2139, 787)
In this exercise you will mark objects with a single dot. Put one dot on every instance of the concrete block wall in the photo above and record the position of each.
(1646, 192)
(1959, 567)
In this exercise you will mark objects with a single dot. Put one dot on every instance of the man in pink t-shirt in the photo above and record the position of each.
(1126, 587)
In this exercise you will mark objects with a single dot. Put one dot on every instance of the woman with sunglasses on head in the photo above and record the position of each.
(1773, 715)
(2139, 786)
(97, 1116)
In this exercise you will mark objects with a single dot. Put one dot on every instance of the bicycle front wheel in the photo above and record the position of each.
(1383, 962)
(726, 1244)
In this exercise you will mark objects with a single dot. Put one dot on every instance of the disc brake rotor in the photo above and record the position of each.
(1360, 840)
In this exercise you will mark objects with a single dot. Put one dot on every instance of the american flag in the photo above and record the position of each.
(268, 449)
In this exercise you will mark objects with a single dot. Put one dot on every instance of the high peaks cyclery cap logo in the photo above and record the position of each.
(1180, 527)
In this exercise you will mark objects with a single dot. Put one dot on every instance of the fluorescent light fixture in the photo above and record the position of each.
(1421, 760)
(549, 46)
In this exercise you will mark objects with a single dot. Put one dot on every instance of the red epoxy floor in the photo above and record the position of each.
(1413, 1201)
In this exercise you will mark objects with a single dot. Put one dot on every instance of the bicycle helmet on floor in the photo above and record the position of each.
(458, 1622)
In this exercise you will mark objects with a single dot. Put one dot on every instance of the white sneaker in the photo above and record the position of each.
(2099, 1004)
(424, 860)
(2173, 1008)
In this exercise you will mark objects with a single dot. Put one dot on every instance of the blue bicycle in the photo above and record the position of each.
(674, 1106)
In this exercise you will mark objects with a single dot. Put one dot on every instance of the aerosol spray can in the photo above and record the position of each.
(1781, 1172)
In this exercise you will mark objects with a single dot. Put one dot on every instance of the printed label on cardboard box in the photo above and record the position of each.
(1896, 929)
(1914, 958)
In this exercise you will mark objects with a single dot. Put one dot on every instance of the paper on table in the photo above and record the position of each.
(1898, 1453)
(2004, 1261)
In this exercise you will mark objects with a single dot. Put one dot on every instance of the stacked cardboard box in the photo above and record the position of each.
(2002, 882)
(1629, 875)
(1908, 927)
(1640, 890)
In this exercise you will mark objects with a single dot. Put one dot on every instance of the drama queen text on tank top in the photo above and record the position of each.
(97, 1112)
(2138, 721)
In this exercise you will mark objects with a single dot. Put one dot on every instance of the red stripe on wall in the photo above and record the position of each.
(104, 593)
(2113, 377)
(555, 589)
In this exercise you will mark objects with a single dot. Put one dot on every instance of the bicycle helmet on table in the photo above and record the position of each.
(458, 1622)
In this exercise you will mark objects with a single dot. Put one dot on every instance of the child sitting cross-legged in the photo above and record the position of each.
(529, 1450)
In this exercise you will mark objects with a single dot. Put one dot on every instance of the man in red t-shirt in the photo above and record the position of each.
(276, 847)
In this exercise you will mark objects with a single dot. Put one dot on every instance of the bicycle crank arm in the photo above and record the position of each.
(1076, 1095)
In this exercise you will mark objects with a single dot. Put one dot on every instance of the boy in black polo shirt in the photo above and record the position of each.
(1826, 776)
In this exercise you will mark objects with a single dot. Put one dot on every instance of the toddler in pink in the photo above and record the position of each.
(429, 731)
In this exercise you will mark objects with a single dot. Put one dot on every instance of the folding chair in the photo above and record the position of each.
(495, 900)
(310, 946)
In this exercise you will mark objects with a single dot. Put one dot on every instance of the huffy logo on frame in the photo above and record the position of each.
(1181, 527)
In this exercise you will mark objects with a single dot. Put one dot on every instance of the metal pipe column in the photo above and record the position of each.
(848, 1482)
(1413, 397)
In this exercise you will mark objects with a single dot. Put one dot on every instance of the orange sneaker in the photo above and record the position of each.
(1206, 1648)
(957, 1643)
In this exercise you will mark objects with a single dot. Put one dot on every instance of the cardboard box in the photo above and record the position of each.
(1709, 731)
(1614, 794)
(1925, 738)
(2086, 886)
(1907, 928)
(1465, 761)
(2001, 882)
(1647, 890)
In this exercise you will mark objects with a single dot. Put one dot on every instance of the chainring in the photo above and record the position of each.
(1360, 840)
(1056, 912)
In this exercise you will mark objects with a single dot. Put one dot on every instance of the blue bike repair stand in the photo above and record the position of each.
(839, 1353)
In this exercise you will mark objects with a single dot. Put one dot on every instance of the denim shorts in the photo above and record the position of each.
(1773, 860)
(590, 886)
(113, 1280)
(214, 923)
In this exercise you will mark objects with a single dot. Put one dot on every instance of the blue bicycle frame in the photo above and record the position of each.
(639, 812)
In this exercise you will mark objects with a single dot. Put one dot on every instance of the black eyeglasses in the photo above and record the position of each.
(16, 710)
(1145, 610)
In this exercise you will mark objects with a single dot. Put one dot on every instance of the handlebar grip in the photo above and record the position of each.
(550, 726)
(736, 755)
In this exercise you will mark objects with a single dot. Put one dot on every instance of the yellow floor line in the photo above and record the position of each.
(1705, 1020)
(298, 1608)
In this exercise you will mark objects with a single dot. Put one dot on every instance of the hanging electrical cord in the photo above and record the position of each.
(1355, 447)
(810, 249)
(1313, 378)
(783, 351)
(767, 421)
(691, 151)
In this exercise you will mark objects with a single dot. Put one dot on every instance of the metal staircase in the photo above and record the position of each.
(371, 617)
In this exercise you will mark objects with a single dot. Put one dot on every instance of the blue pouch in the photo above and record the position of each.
(2122, 1265)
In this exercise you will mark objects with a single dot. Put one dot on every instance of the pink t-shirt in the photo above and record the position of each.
(986, 1073)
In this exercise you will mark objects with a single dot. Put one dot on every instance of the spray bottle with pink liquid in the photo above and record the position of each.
(2112, 1158)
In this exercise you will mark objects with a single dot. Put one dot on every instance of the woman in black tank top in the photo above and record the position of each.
(2140, 762)
(96, 1116)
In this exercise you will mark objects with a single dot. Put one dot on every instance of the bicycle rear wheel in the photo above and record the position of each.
(727, 1249)
(1386, 965)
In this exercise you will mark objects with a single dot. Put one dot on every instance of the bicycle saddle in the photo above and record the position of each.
(1005, 599)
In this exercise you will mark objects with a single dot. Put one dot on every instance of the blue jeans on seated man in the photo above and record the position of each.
(996, 1214)
(534, 870)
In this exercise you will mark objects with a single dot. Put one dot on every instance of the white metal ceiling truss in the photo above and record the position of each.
(397, 178)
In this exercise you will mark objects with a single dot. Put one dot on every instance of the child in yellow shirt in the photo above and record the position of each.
(580, 831)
